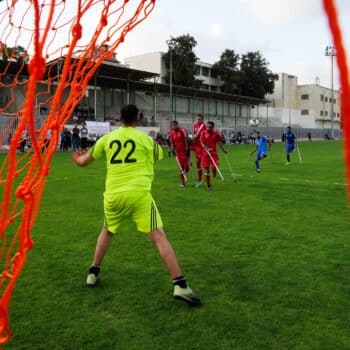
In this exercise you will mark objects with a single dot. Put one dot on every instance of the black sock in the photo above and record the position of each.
(95, 269)
(180, 281)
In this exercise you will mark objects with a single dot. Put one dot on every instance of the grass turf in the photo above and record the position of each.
(269, 256)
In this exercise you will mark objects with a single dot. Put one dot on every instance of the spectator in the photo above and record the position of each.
(84, 133)
(47, 140)
(76, 138)
(24, 138)
(63, 143)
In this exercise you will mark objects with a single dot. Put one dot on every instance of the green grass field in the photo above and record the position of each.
(269, 256)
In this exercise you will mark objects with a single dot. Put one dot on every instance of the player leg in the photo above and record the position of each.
(198, 151)
(207, 179)
(103, 242)
(216, 164)
(257, 159)
(206, 165)
(115, 210)
(147, 219)
(181, 289)
(288, 155)
(183, 164)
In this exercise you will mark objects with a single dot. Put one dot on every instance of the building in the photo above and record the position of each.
(301, 106)
(305, 106)
(154, 62)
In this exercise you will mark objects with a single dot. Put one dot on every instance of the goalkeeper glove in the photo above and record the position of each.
(75, 156)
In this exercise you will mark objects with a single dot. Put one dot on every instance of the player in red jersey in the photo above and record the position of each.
(198, 128)
(209, 139)
(178, 138)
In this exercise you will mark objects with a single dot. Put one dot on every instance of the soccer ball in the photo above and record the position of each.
(254, 122)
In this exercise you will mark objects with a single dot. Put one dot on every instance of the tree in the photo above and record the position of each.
(15, 54)
(256, 80)
(228, 70)
(180, 52)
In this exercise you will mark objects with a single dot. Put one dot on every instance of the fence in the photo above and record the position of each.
(187, 123)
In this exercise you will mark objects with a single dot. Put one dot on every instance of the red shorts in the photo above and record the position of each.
(198, 149)
(183, 160)
(206, 161)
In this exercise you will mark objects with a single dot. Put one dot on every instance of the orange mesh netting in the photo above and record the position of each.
(334, 25)
(48, 50)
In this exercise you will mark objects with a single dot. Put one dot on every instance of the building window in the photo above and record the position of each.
(304, 112)
(205, 86)
(205, 71)
(213, 88)
(326, 99)
(213, 73)
(337, 115)
(305, 97)
(321, 97)
(326, 113)
(321, 113)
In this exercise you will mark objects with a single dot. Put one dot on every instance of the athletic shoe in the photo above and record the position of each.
(258, 170)
(182, 185)
(210, 188)
(197, 185)
(91, 280)
(187, 295)
(287, 163)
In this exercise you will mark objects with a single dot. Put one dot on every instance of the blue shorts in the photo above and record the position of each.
(261, 154)
(289, 148)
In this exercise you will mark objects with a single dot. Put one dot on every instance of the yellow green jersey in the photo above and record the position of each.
(130, 156)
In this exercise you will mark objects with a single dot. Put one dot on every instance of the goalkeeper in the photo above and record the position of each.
(130, 156)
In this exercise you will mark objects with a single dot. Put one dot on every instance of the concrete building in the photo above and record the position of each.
(305, 106)
(301, 106)
(154, 62)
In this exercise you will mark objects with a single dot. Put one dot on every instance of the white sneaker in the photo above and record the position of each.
(187, 295)
(91, 280)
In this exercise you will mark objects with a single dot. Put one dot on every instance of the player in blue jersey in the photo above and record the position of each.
(261, 143)
(290, 140)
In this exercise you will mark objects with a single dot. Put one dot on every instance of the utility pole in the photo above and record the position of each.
(171, 47)
(290, 77)
(330, 51)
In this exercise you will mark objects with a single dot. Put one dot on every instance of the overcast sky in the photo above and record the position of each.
(291, 34)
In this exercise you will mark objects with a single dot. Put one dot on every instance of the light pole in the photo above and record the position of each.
(290, 77)
(170, 47)
(330, 51)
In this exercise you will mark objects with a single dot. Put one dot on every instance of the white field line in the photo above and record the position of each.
(313, 181)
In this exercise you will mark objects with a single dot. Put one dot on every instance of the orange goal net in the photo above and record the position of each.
(49, 52)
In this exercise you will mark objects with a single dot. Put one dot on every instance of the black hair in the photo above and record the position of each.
(128, 114)
(200, 115)
(175, 122)
(211, 123)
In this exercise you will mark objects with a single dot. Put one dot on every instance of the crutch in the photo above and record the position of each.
(299, 155)
(213, 161)
(230, 168)
(180, 167)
